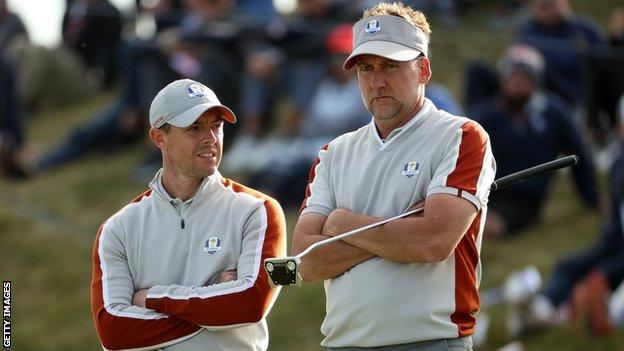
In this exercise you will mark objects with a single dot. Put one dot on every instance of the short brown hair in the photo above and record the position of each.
(399, 9)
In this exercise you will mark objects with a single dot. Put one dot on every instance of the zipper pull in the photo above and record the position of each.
(182, 223)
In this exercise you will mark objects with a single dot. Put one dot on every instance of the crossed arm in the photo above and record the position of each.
(163, 315)
(138, 298)
(430, 237)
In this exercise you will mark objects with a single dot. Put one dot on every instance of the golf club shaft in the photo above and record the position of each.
(500, 183)
(356, 231)
(532, 172)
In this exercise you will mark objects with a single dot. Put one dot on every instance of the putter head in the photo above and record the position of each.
(283, 271)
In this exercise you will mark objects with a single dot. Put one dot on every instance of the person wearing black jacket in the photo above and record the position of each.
(529, 126)
(92, 28)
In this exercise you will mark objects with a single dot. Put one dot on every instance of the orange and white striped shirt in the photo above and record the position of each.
(179, 257)
(382, 302)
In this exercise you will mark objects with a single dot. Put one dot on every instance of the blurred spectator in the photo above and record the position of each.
(92, 28)
(616, 27)
(442, 98)
(528, 126)
(566, 41)
(11, 135)
(585, 280)
(120, 122)
(40, 75)
(607, 83)
(207, 46)
(482, 83)
(261, 9)
(288, 64)
(10, 26)
(203, 46)
(143, 71)
(166, 13)
(335, 107)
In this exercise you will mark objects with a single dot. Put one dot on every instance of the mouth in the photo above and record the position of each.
(207, 155)
(380, 98)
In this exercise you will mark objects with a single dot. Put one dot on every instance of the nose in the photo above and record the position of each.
(378, 79)
(210, 137)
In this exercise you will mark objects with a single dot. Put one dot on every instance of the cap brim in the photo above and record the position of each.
(189, 116)
(387, 49)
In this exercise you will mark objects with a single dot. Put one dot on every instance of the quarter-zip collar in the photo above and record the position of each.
(208, 185)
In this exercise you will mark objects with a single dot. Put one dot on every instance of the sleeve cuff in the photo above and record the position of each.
(325, 211)
(457, 192)
(154, 300)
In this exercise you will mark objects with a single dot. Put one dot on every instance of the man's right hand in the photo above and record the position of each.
(331, 260)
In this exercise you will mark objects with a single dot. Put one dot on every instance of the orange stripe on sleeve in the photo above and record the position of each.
(308, 192)
(470, 160)
(466, 291)
(118, 333)
(249, 305)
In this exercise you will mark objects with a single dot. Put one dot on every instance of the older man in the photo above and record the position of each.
(411, 284)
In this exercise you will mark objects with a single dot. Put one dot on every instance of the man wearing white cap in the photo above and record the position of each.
(411, 284)
(179, 267)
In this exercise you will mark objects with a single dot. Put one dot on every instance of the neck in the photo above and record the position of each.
(180, 186)
(385, 127)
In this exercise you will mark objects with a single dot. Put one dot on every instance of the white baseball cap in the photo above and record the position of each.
(387, 36)
(181, 103)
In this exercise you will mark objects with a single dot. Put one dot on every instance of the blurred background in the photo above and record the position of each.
(77, 76)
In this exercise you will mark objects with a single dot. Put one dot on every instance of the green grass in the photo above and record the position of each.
(47, 227)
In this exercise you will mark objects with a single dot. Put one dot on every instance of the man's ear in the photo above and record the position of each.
(425, 70)
(158, 137)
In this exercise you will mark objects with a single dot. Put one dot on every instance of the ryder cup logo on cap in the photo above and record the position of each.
(399, 40)
(195, 90)
(373, 27)
(182, 102)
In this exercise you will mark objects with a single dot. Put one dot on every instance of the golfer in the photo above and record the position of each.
(411, 284)
(179, 267)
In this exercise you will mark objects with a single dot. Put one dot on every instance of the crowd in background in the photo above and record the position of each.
(556, 90)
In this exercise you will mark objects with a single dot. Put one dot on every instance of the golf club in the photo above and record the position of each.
(285, 270)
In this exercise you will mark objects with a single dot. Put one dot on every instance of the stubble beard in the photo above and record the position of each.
(388, 114)
(197, 171)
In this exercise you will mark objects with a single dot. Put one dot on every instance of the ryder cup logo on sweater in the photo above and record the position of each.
(411, 169)
(213, 245)
(373, 27)
(195, 90)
